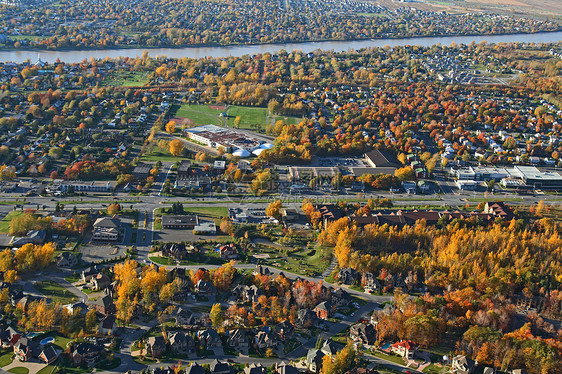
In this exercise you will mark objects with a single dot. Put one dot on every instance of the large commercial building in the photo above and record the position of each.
(106, 229)
(515, 177)
(219, 137)
(535, 178)
(180, 222)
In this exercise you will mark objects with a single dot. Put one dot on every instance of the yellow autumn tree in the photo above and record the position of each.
(171, 127)
(176, 147)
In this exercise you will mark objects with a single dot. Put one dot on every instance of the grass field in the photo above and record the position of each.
(289, 120)
(26, 37)
(56, 292)
(127, 79)
(214, 212)
(155, 153)
(199, 114)
(5, 223)
(250, 118)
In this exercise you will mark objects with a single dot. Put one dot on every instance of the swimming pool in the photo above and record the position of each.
(47, 340)
(386, 346)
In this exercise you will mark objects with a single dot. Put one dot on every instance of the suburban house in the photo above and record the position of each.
(209, 338)
(204, 287)
(284, 368)
(323, 310)
(9, 337)
(284, 330)
(194, 368)
(348, 276)
(239, 341)
(26, 348)
(181, 342)
(104, 305)
(106, 229)
(314, 360)
(264, 339)
(462, 365)
(100, 282)
(48, 355)
(247, 293)
(218, 367)
(228, 251)
(341, 297)
(155, 346)
(254, 368)
(305, 318)
(176, 251)
(107, 325)
(330, 347)
(405, 348)
(85, 353)
(363, 332)
(185, 318)
(66, 260)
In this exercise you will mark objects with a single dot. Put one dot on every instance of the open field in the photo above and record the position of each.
(250, 118)
(5, 223)
(209, 212)
(198, 114)
(127, 79)
(155, 153)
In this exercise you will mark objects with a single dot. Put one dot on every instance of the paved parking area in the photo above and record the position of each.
(170, 235)
(96, 252)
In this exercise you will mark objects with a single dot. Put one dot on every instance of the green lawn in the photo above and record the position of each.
(5, 223)
(433, 369)
(162, 260)
(393, 358)
(289, 120)
(26, 37)
(214, 212)
(305, 261)
(19, 370)
(155, 153)
(127, 79)
(109, 364)
(56, 292)
(200, 309)
(47, 370)
(6, 358)
(199, 114)
(250, 117)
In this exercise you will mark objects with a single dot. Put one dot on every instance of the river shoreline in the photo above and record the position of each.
(73, 55)
(149, 48)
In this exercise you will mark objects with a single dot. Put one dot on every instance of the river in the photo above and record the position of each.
(71, 56)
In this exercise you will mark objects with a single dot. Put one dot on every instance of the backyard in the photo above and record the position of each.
(55, 292)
